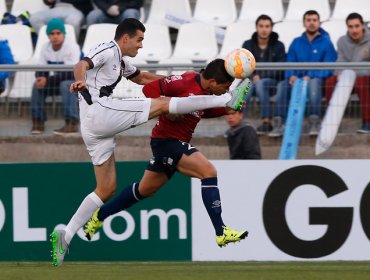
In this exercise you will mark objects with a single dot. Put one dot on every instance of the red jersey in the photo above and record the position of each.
(179, 127)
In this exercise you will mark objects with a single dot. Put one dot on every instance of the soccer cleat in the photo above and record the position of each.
(238, 95)
(93, 225)
(229, 236)
(59, 247)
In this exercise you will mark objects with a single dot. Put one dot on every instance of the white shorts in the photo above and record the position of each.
(105, 118)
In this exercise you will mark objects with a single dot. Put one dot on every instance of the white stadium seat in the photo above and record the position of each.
(217, 12)
(2, 8)
(296, 9)
(159, 8)
(19, 6)
(98, 33)
(196, 41)
(342, 8)
(156, 44)
(173, 60)
(251, 9)
(288, 31)
(336, 29)
(19, 38)
(236, 34)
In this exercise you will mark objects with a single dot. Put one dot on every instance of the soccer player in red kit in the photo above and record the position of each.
(172, 151)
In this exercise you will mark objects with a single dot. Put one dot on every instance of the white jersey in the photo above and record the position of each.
(107, 66)
(69, 53)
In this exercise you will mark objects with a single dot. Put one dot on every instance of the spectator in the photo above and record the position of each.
(314, 45)
(113, 11)
(242, 138)
(6, 57)
(265, 47)
(355, 47)
(71, 12)
(57, 51)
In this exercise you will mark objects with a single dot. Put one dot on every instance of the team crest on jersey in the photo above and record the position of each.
(172, 78)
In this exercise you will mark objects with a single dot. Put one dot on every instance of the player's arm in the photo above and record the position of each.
(144, 78)
(79, 71)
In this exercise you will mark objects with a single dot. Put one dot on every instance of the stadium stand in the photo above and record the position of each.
(217, 12)
(159, 8)
(296, 9)
(20, 42)
(98, 33)
(20, 6)
(343, 8)
(170, 61)
(335, 28)
(3, 8)
(288, 30)
(251, 9)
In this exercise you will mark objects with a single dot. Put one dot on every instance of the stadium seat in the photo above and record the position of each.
(296, 9)
(159, 8)
(19, 38)
(236, 34)
(288, 31)
(98, 33)
(251, 9)
(196, 41)
(43, 38)
(342, 8)
(217, 12)
(3, 8)
(19, 6)
(156, 44)
(335, 28)
(173, 60)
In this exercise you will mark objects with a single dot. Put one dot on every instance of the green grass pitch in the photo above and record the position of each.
(188, 271)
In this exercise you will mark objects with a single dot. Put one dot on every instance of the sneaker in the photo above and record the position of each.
(70, 128)
(314, 125)
(38, 127)
(264, 128)
(59, 246)
(229, 236)
(278, 128)
(238, 95)
(365, 128)
(93, 225)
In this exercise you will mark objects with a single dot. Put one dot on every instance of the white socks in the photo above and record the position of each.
(82, 215)
(184, 105)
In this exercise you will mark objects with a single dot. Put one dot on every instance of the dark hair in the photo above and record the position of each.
(264, 17)
(310, 13)
(216, 70)
(355, 16)
(128, 26)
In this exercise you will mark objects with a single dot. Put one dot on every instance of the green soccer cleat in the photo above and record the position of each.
(93, 225)
(238, 95)
(229, 236)
(59, 247)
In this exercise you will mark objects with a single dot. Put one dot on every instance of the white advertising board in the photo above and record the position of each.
(299, 210)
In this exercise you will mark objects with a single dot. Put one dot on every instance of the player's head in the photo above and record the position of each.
(311, 21)
(56, 31)
(217, 79)
(264, 26)
(129, 36)
(355, 27)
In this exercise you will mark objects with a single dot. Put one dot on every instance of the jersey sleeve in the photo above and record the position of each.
(130, 71)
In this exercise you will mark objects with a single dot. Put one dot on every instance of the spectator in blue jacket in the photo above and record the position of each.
(314, 45)
(113, 11)
(265, 47)
(6, 57)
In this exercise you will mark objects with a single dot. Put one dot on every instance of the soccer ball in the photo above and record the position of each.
(240, 63)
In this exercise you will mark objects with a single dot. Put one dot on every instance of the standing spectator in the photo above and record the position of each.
(113, 11)
(6, 57)
(355, 47)
(242, 138)
(314, 45)
(265, 47)
(57, 51)
(71, 12)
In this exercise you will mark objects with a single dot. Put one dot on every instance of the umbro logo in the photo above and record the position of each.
(216, 203)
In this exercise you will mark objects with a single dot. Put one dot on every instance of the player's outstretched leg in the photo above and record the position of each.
(238, 95)
(230, 236)
(59, 246)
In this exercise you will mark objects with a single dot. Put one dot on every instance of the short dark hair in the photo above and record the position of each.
(310, 13)
(216, 70)
(355, 16)
(128, 26)
(264, 17)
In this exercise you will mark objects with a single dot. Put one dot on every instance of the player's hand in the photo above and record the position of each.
(77, 86)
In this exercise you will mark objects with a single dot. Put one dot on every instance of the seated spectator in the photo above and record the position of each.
(242, 138)
(113, 11)
(314, 45)
(265, 47)
(6, 57)
(354, 46)
(57, 51)
(71, 12)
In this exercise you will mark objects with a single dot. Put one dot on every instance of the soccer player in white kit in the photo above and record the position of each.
(102, 117)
